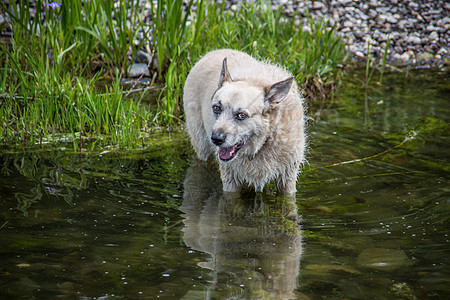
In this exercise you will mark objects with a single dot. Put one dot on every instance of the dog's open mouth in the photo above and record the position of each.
(228, 153)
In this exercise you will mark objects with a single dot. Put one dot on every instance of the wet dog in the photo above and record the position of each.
(250, 115)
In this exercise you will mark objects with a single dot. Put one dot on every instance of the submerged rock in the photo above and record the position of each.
(383, 259)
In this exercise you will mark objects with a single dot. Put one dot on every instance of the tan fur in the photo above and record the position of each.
(272, 130)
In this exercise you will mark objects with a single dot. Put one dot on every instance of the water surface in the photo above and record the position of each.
(370, 219)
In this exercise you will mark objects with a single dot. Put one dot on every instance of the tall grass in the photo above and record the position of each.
(55, 57)
(115, 25)
(372, 63)
(48, 88)
(314, 56)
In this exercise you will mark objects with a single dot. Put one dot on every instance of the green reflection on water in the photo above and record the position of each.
(154, 223)
(378, 227)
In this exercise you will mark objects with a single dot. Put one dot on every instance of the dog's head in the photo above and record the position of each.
(241, 110)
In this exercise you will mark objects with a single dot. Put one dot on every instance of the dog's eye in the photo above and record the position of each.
(216, 109)
(241, 116)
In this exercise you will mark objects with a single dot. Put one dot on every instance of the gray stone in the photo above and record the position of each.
(433, 36)
(414, 40)
(373, 3)
(402, 25)
(443, 51)
(318, 5)
(397, 57)
(143, 57)
(362, 15)
(360, 54)
(348, 24)
(413, 5)
(136, 70)
(431, 28)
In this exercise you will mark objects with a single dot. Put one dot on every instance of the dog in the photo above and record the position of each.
(250, 115)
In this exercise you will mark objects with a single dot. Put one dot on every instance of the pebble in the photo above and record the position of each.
(433, 36)
(414, 40)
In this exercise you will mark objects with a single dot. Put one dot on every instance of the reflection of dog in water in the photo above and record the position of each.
(255, 246)
(250, 114)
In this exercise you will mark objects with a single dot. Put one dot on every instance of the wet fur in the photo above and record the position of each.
(273, 131)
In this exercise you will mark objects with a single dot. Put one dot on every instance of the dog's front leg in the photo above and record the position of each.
(230, 186)
(229, 182)
(287, 184)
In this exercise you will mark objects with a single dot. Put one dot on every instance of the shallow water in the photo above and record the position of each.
(370, 220)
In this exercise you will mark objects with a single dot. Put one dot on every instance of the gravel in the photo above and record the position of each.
(418, 30)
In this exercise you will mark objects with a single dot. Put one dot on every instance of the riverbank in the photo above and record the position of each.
(414, 33)
(49, 93)
(56, 54)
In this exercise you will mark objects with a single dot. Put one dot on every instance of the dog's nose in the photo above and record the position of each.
(218, 138)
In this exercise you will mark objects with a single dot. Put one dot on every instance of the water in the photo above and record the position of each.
(370, 220)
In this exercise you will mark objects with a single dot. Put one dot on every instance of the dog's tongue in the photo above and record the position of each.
(226, 153)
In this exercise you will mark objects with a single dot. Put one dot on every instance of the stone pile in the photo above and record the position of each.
(419, 30)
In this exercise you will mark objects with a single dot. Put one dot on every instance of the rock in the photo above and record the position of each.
(442, 51)
(334, 269)
(426, 56)
(401, 25)
(413, 5)
(392, 19)
(403, 291)
(433, 36)
(414, 40)
(397, 57)
(360, 54)
(348, 24)
(143, 57)
(373, 3)
(383, 259)
(362, 15)
(352, 48)
(136, 70)
(406, 56)
(317, 5)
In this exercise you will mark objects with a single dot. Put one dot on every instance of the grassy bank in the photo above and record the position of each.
(50, 66)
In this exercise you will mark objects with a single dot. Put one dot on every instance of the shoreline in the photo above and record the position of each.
(419, 30)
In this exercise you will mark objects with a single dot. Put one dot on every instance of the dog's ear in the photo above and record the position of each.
(224, 74)
(276, 92)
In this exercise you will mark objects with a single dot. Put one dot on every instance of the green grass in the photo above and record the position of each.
(314, 57)
(50, 67)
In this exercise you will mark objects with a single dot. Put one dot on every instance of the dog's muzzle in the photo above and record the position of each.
(225, 153)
